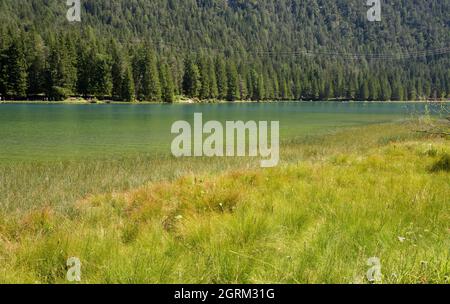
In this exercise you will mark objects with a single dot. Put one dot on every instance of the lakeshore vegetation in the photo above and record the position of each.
(337, 200)
(224, 50)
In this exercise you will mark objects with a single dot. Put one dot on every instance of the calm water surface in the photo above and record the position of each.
(48, 132)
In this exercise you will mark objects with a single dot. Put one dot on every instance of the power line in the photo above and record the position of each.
(351, 56)
(380, 56)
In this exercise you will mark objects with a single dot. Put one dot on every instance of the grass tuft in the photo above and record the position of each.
(443, 164)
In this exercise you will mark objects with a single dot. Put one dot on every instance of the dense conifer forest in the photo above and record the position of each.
(158, 50)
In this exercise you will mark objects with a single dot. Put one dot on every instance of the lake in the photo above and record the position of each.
(57, 132)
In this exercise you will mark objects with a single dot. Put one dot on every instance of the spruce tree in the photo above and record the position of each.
(256, 86)
(117, 72)
(15, 80)
(61, 69)
(205, 89)
(427, 89)
(70, 63)
(36, 69)
(151, 87)
(315, 90)
(307, 88)
(213, 89)
(101, 77)
(352, 88)
(397, 90)
(127, 91)
(374, 89)
(222, 81)
(284, 89)
(233, 82)
(243, 87)
(191, 79)
(364, 91)
(412, 93)
(273, 92)
(85, 65)
(166, 83)
(419, 89)
(386, 90)
(137, 69)
(2, 74)
(298, 88)
(329, 90)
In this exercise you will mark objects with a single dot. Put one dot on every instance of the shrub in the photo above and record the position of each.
(59, 93)
(443, 164)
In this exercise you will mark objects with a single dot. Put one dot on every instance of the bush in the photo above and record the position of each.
(59, 93)
(443, 164)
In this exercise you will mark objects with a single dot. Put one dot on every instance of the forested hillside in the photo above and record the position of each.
(225, 49)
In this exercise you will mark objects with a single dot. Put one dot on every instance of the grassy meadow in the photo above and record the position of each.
(336, 200)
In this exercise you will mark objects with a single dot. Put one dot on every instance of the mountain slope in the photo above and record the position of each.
(283, 37)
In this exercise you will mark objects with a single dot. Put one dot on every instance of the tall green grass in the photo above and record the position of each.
(336, 201)
(59, 184)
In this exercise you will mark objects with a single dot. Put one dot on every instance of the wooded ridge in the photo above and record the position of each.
(225, 49)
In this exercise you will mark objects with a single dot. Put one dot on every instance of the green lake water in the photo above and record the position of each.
(49, 132)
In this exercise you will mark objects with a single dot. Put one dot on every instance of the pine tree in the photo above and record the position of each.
(233, 82)
(273, 92)
(397, 90)
(261, 85)
(352, 88)
(191, 79)
(85, 65)
(166, 83)
(364, 91)
(338, 84)
(36, 70)
(101, 77)
(419, 89)
(2, 74)
(222, 81)
(412, 93)
(267, 86)
(213, 89)
(205, 90)
(307, 88)
(15, 80)
(249, 83)
(374, 89)
(61, 69)
(257, 88)
(315, 90)
(427, 89)
(329, 90)
(70, 63)
(284, 89)
(137, 71)
(127, 91)
(151, 87)
(386, 90)
(243, 86)
(298, 89)
(117, 72)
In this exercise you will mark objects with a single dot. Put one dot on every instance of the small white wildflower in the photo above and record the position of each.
(401, 239)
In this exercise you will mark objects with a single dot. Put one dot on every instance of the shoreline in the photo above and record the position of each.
(192, 102)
